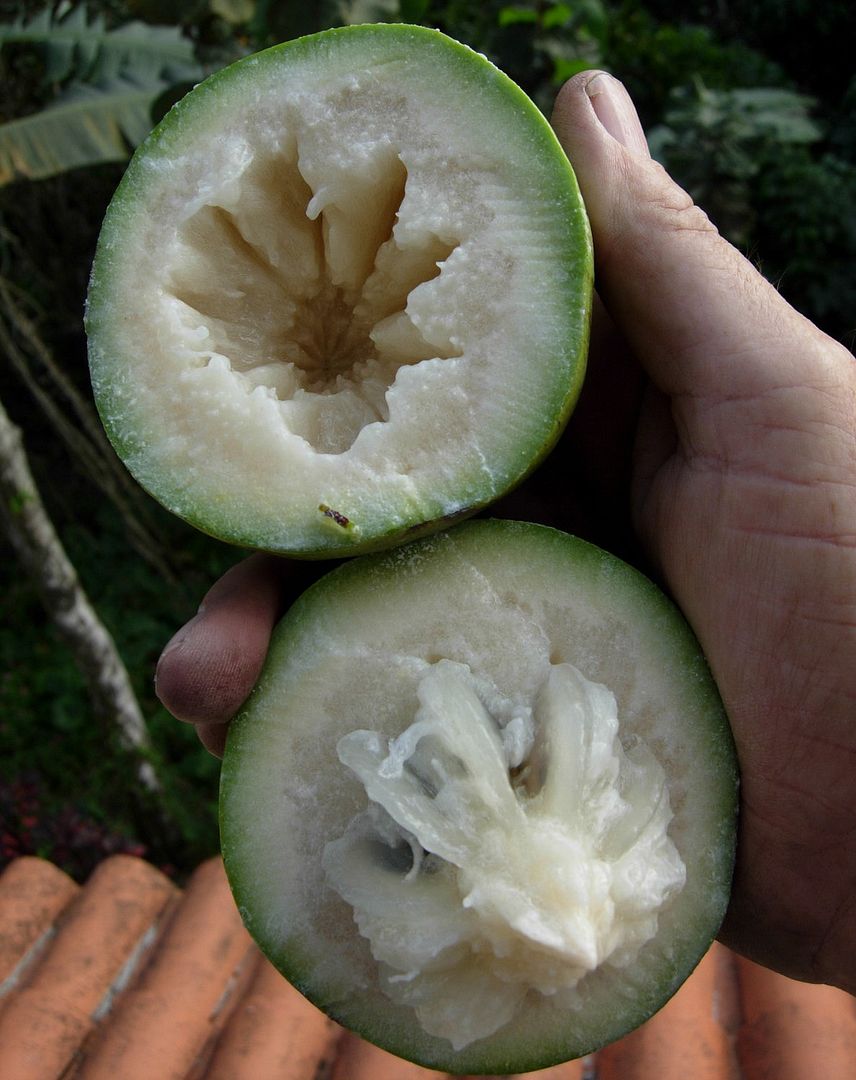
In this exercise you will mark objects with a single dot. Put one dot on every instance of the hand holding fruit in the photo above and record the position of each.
(719, 427)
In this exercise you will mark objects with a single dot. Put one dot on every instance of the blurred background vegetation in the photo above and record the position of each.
(751, 106)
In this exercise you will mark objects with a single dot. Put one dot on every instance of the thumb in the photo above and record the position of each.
(699, 317)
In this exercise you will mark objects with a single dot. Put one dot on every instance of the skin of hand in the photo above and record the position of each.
(714, 445)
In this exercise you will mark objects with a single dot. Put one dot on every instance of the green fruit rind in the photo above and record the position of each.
(546, 287)
(508, 599)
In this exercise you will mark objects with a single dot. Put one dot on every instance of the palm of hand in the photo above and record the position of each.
(740, 509)
(749, 515)
(747, 519)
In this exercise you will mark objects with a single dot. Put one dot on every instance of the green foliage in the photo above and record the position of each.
(654, 58)
(775, 184)
(274, 21)
(842, 134)
(746, 120)
(572, 38)
(87, 125)
(109, 80)
(812, 41)
(806, 232)
(47, 729)
(718, 141)
(235, 12)
(78, 47)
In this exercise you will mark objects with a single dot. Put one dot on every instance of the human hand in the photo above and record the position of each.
(717, 428)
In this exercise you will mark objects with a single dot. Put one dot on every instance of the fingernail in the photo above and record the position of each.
(614, 108)
(174, 643)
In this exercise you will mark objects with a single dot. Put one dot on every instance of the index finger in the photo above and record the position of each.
(209, 667)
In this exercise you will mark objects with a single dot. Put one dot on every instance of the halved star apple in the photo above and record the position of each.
(481, 805)
(342, 294)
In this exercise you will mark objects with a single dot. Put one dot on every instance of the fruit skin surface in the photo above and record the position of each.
(509, 600)
(514, 377)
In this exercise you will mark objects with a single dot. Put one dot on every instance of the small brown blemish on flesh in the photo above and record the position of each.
(335, 516)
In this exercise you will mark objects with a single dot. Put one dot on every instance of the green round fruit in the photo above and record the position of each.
(342, 294)
(481, 806)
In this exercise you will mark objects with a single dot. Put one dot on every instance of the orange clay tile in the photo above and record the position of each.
(99, 936)
(685, 1040)
(793, 1030)
(32, 894)
(128, 979)
(571, 1070)
(358, 1060)
(182, 997)
(275, 1032)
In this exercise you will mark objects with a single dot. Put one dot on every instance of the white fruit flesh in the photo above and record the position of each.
(318, 313)
(527, 885)
(494, 642)
(341, 294)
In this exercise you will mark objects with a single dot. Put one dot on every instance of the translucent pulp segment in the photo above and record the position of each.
(516, 882)
(481, 805)
(341, 294)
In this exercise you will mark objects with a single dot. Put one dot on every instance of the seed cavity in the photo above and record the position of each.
(547, 843)
(305, 291)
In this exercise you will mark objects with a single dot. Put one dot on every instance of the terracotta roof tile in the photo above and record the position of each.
(793, 1030)
(687, 1038)
(358, 1060)
(182, 997)
(127, 977)
(32, 894)
(275, 1032)
(571, 1070)
(101, 935)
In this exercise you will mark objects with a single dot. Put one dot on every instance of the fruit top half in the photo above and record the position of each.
(342, 294)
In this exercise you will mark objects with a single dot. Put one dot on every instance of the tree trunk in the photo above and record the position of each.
(40, 551)
(77, 425)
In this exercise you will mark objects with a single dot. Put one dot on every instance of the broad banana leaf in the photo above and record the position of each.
(87, 125)
(77, 48)
(105, 110)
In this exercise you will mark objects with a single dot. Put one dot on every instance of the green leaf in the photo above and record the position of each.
(113, 80)
(780, 114)
(556, 16)
(87, 125)
(510, 16)
(75, 47)
(566, 69)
